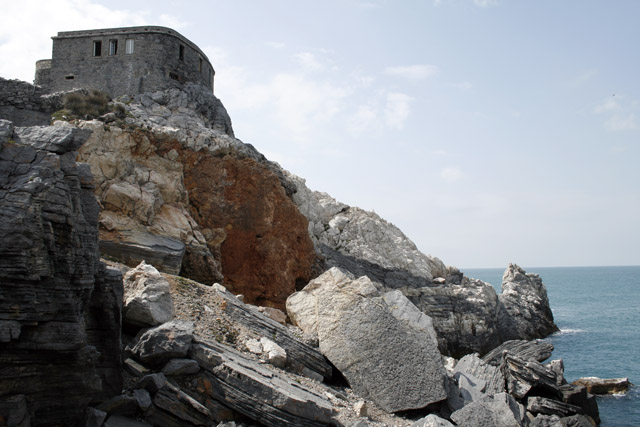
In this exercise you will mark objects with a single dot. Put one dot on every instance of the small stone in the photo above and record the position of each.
(361, 409)
(254, 346)
(143, 398)
(135, 368)
(274, 314)
(275, 354)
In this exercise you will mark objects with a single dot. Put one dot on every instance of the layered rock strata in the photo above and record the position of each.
(60, 308)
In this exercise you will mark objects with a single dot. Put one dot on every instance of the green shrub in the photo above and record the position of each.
(87, 106)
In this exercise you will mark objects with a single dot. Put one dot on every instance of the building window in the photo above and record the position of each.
(69, 77)
(181, 53)
(113, 47)
(174, 76)
(97, 48)
(200, 64)
(128, 47)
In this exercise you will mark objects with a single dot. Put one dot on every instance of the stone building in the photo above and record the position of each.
(123, 61)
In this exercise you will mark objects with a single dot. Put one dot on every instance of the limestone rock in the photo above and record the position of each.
(160, 344)
(498, 410)
(274, 353)
(361, 235)
(525, 312)
(147, 299)
(384, 359)
(471, 364)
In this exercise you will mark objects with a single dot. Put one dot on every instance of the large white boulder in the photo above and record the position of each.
(385, 350)
(147, 297)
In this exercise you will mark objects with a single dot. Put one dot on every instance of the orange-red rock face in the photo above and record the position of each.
(267, 247)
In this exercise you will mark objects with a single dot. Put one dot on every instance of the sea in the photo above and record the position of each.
(598, 312)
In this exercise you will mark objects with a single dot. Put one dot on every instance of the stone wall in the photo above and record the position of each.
(160, 59)
(22, 103)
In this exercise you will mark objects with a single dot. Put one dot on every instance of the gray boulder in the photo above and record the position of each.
(385, 357)
(499, 410)
(160, 344)
(147, 297)
(431, 420)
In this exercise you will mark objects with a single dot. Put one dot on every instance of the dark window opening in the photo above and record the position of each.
(97, 48)
(174, 76)
(113, 47)
(181, 53)
(200, 64)
(69, 77)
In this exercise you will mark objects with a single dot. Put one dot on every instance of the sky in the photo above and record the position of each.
(488, 131)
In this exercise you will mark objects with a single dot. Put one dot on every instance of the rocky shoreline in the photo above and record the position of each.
(327, 314)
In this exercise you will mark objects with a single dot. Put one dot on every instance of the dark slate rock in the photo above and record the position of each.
(542, 405)
(255, 390)
(94, 417)
(300, 356)
(538, 350)
(60, 308)
(120, 405)
(122, 421)
(521, 376)
(165, 342)
(181, 367)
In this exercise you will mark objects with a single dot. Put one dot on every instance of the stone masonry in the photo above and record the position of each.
(123, 61)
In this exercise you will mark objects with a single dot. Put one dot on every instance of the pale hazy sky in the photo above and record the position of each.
(489, 131)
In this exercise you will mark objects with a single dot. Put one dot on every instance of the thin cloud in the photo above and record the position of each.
(451, 174)
(397, 109)
(584, 78)
(485, 3)
(622, 122)
(607, 105)
(412, 72)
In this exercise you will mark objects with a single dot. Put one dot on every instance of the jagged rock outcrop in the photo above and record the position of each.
(362, 235)
(467, 314)
(524, 312)
(388, 356)
(192, 108)
(60, 308)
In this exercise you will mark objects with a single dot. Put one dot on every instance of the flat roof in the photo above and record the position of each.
(131, 30)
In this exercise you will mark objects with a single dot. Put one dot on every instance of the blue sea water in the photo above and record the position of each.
(598, 312)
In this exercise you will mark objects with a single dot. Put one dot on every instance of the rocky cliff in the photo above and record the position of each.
(180, 191)
(59, 306)
(169, 184)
